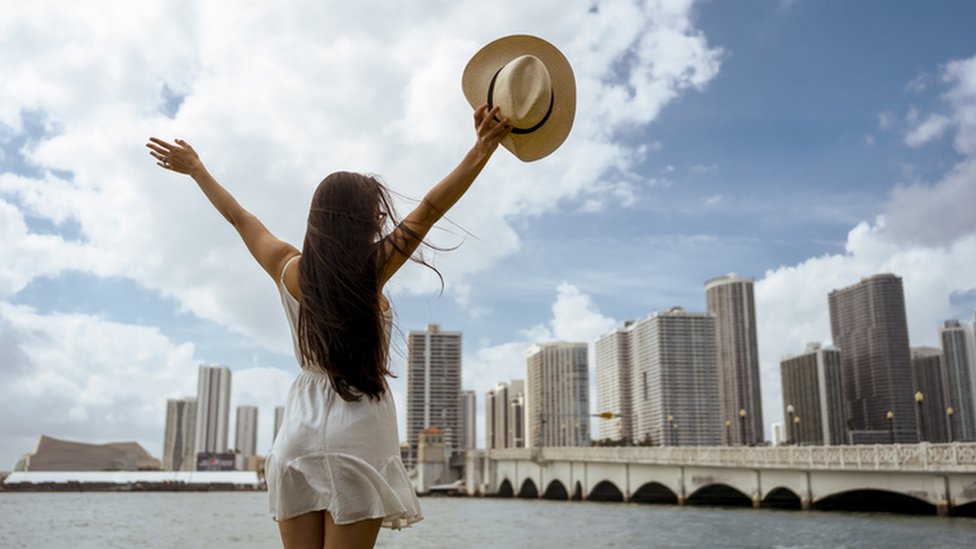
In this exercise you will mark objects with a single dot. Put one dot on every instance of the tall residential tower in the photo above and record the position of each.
(213, 409)
(434, 387)
(557, 395)
(674, 383)
(813, 397)
(180, 436)
(869, 326)
(613, 380)
(730, 298)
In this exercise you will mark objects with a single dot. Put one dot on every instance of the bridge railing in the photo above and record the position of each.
(958, 456)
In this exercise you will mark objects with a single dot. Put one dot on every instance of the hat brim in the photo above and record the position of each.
(495, 55)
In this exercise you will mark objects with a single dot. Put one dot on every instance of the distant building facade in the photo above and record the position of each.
(557, 395)
(52, 454)
(469, 419)
(434, 387)
(730, 298)
(675, 391)
(613, 383)
(813, 397)
(505, 415)
(213, 409)
(179, 436)
(958, 379)
(246, 430)
(869, 326)
(928, 384)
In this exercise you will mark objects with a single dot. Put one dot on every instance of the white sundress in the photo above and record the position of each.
(335, 455)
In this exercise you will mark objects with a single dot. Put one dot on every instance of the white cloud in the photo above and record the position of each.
(929, 129)
(84, 378)
(791, 302)
(885, 120)
(942, 212)
(277, 97)
(575, 318)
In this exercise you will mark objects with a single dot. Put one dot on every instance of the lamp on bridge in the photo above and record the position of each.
(919, 397)
(949, 412)
(742, 420)
(890, 416)
(789, 426)
(796, 426)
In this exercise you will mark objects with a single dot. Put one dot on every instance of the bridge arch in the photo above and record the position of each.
(505, 489)
(874, 500)
(782, 498)
(654, 492)
(556, 490)
(605, 491)
(719, 494)
(965, 510)
(528, 490)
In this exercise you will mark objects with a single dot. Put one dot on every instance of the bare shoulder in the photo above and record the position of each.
(290, 275)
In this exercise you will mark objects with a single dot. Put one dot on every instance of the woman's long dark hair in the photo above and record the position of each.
(341, 328)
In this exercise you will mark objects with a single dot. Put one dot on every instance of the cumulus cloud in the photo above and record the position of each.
(80, 377)
(277, 97)
(575, 318)
(929, 129)
(941, 212)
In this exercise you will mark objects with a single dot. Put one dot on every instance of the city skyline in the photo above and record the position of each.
(711, 137)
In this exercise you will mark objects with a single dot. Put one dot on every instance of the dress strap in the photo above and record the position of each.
(281, 279)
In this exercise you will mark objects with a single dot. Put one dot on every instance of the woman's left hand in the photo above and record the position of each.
(180, 158)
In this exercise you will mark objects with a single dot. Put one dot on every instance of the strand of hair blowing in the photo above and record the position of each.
(340, 326)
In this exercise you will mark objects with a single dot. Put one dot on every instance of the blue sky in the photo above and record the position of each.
(804, 143)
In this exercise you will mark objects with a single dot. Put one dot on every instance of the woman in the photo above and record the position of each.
(334, 472)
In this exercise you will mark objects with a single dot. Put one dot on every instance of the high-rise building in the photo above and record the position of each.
(674, 388)
(730, 298)
(213, 409)
(246, 439)
(279, 416)
(557, 391)
(869, 326)
(180, 435)
(929, 390)
(469, 421)
(958, 379)
(613, 380)
(813, 397)
(434, 387)
(505, 415)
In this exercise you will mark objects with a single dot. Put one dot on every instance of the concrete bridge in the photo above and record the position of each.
(922, 478)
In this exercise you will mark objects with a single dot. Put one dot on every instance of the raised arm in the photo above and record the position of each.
(270, 252)
(403, 241)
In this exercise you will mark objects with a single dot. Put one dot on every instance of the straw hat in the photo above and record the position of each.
(532, 84)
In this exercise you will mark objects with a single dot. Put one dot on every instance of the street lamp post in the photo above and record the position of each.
(796, 434)
(890, 416)
(742, 420)
(919, 397)
(949, 413)
(790, 439)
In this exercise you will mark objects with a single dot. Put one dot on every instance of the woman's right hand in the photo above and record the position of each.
(490, 127)
(180, 158)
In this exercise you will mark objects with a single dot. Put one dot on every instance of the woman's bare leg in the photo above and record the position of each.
(304, 531)
(358, 535)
